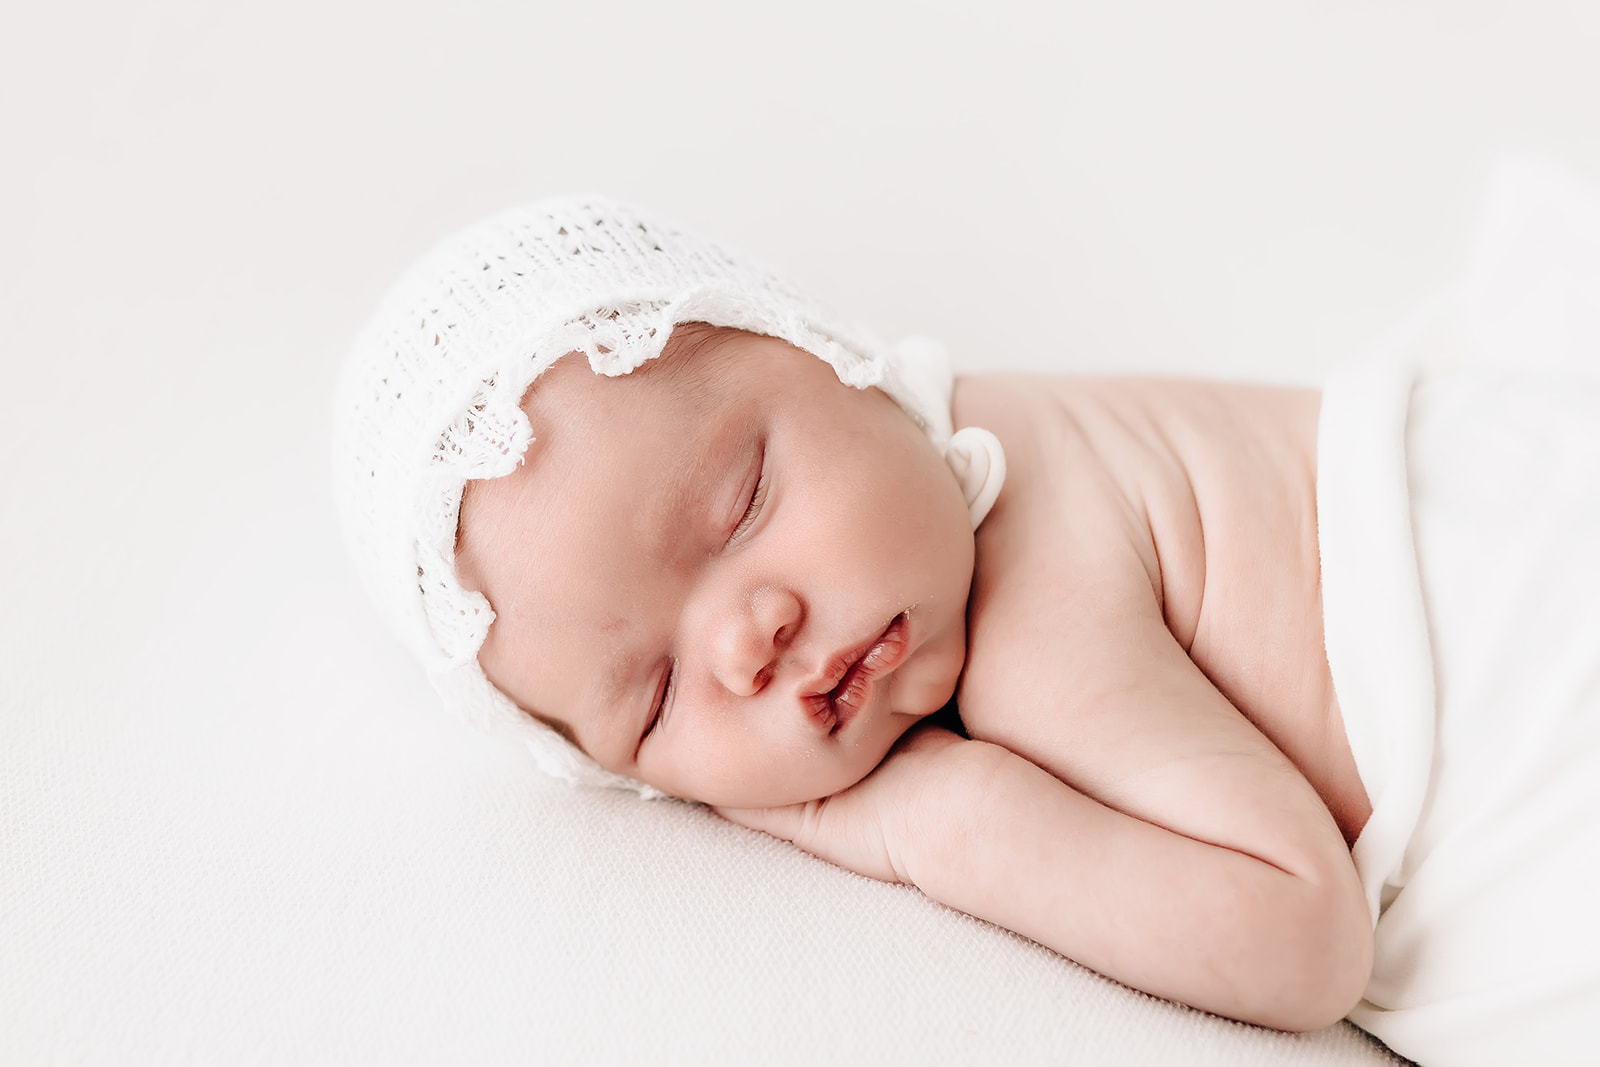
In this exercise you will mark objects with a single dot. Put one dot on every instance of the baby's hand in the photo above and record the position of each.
(861, 828)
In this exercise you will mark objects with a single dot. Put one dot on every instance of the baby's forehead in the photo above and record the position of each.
(701, 371)
(669, 421)
(689, 419)
(673, 437)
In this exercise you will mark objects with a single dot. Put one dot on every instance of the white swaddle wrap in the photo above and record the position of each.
(1459, 518)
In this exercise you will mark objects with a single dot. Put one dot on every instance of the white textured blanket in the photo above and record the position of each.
(1459, 515)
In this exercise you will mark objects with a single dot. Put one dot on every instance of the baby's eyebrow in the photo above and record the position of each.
(686, 489)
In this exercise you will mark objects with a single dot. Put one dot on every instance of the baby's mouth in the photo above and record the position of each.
(839, 705)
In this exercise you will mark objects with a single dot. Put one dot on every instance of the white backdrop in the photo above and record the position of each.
(231, 823)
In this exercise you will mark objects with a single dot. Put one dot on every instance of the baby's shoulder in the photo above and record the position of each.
(1115, 486)
(1085, 460)
(1143, 523)
(1066, 558)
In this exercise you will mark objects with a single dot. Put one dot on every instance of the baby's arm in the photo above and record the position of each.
(1128, 817)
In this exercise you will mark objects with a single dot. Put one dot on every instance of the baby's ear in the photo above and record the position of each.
(979, 464)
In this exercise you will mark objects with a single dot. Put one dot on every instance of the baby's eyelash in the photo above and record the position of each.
(663, 701)
(757, 498)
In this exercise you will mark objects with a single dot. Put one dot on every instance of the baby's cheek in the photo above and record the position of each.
(732, 776)
(713, 769)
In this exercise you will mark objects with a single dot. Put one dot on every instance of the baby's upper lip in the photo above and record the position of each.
(839, 664)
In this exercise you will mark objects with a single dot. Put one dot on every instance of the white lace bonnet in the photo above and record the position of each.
(430, 398)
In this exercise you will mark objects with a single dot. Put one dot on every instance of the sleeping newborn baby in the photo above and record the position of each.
(1115, 664)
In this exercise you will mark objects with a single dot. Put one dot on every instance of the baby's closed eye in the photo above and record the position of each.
(754, 495)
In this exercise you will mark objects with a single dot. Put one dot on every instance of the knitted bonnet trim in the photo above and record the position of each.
(430, 398)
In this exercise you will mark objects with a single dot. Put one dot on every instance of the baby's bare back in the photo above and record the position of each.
(1201, 495)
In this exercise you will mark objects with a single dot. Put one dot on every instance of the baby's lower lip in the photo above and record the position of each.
(884, 655)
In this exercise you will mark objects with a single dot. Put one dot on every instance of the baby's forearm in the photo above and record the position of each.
(1216, 928)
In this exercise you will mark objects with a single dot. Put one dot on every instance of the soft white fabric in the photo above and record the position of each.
(430, 399)
(1459, 518)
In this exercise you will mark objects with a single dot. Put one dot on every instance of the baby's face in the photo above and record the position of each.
(726, 574)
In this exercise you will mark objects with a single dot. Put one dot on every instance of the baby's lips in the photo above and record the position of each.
(890, 649)
(885, 654)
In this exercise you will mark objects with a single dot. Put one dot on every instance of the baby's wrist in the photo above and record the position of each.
(942, 810)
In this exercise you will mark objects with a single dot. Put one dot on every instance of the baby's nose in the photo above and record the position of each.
(749, 645)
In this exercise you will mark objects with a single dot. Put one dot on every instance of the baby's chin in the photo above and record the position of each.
(805, 781)
(770, 795)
